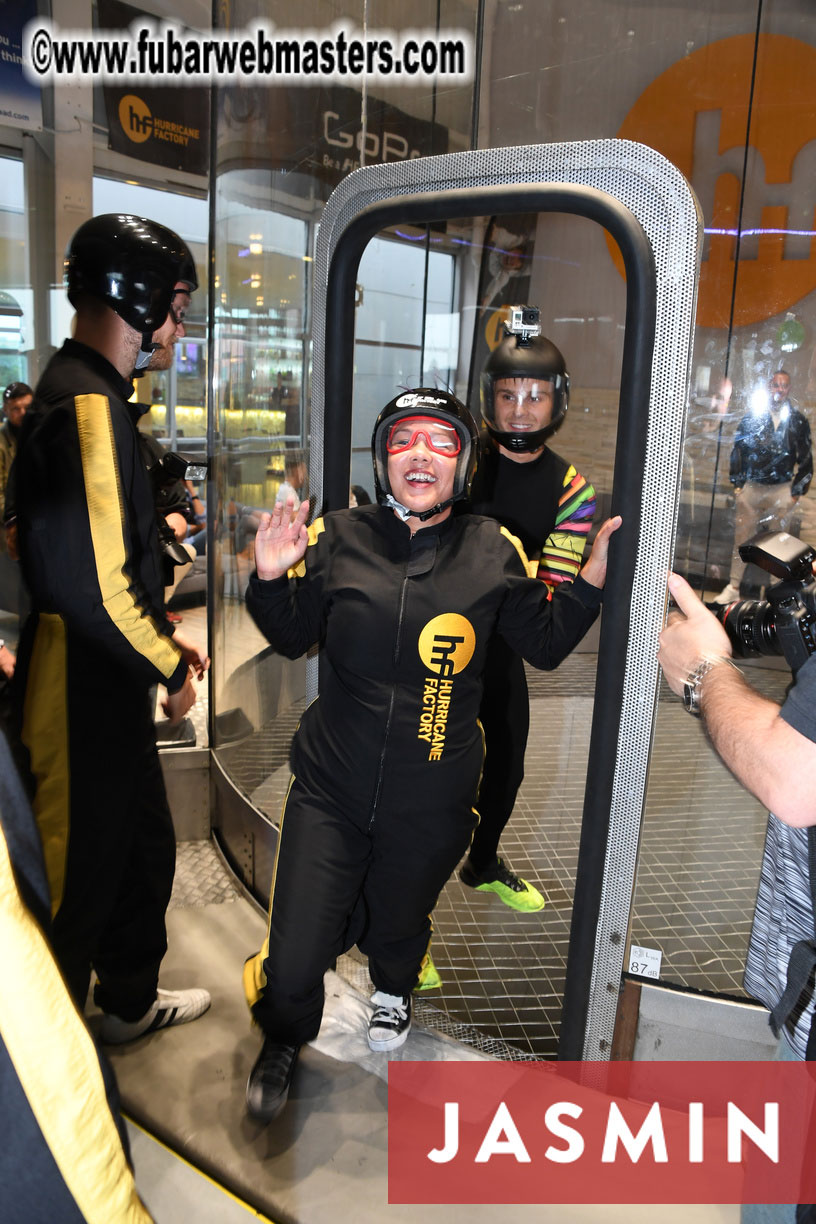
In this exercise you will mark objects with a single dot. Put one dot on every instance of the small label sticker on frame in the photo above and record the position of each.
(645, 962)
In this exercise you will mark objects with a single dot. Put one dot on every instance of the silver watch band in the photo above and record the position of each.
(692, 688)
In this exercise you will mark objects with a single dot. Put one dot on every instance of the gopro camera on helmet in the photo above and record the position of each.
(785, 622)
(524, 322)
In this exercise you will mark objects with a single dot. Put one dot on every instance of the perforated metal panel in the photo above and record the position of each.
(663, 203)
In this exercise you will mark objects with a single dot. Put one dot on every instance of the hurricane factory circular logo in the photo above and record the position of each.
(135, 118)
(446, 644)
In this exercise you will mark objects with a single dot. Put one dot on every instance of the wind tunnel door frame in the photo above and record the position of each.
(651, 211)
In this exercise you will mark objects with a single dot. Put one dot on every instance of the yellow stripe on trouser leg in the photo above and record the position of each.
(429, 978)
(57, 1066)
(253, 975)
(45, 735)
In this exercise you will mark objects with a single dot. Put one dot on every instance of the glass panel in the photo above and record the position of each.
(703, 835)
(262, 270)
(279, 154)
(16, 300)
(401, 283)
(178, 396)
(17, 340)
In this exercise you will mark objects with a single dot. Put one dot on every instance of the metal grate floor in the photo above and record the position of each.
(503, 972)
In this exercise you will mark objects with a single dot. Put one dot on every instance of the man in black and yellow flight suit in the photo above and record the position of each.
(98, 640)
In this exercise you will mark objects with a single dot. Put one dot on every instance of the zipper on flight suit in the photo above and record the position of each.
(395, 660)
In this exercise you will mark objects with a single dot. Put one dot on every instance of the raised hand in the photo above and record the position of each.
(594, 572)
(281, 539)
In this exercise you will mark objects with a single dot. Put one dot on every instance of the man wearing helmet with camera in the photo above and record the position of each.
(403, 597)
(98, 641)
(548, 505)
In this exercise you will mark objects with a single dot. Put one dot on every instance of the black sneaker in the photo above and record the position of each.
(517, 893)
(267, 1089)
(391, 1022)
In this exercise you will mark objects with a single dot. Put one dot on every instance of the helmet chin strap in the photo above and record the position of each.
(146, 351)
(404, 513)
(524, 443)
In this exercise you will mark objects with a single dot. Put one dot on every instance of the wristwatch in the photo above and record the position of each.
(692, 694)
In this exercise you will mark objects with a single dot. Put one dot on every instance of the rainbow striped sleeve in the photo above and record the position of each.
(563, 549)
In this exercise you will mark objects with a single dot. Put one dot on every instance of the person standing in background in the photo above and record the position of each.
(549, 506)
(771, 468)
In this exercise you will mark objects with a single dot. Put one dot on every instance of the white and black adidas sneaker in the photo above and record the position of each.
(169, 1007)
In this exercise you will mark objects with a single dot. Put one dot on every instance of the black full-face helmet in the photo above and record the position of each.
(132, 265)
(535, 358)
(438, 405)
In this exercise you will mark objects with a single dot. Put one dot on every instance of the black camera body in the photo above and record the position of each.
(172, 467)
(785, 622)
(167, 475)
(172, 552)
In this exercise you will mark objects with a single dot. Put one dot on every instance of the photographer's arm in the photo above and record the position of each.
(766, 755)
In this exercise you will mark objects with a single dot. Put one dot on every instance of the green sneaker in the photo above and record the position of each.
(511, 889)
(429, 978)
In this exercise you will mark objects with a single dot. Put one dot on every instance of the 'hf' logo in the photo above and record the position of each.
(696, 114)
(446, 644)
(135, 118)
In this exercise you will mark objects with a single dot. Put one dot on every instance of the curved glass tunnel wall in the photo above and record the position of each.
(702, 837)
(277, 154)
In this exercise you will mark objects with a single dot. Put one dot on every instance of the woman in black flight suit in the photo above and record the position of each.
(402, 597)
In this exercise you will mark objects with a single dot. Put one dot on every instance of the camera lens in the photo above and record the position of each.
(751, 628)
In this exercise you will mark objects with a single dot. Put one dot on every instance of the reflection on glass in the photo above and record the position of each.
(16, 302)
(703, 835)
(261, 415)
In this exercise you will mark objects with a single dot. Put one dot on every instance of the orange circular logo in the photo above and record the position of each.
(135, 118)
(446, 644)
(697, 114)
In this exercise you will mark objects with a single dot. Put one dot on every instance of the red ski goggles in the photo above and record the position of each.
(442, 439)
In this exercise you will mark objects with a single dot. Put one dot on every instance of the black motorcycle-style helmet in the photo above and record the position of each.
(439, 405)
(130, 263)
(534, 358)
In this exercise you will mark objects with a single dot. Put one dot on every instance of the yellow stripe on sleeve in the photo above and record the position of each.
(57, 1066)
(106, 514)
(314, 530)
(530, 567)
